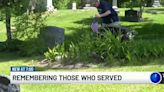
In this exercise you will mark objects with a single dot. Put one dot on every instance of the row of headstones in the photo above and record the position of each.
(46, 4)
(50, 7)
(88, 5)
(54, 35)
(156, 3)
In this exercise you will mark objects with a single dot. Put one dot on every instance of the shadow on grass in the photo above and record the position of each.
(41, 68)
(122, 19)
(147, 61)
(155, 11)
(75, 35)
(86, 21)
(8, 56)
(149, 31)
(14, 56)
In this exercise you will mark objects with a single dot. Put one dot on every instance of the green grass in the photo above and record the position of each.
(11, 61)
(74, 22)
(2, 32)
(93, 88)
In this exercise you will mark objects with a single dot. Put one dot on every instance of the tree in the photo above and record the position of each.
(142, 4)
(149, 3)
(6, 5)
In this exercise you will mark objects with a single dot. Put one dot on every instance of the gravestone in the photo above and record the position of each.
(32, 6)
(115, 6)
(40, 5)
(74, 6)
(88, 6)
(132, 15)
(52, 35)
(50, 6)
(156, 3)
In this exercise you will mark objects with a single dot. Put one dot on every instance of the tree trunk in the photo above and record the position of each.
(8, 23)
(142, 3)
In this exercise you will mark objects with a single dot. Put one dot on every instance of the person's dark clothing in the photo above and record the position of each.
(105, 6)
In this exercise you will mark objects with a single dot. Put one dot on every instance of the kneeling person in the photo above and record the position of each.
(107, 13)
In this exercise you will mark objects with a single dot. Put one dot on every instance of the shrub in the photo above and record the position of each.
(75, 51)
(65, 4)
(24, 48)
(32, 47)
(2, 46)
(57, 51)
(143, 49)
(2, 15)
(109, 49)
(28, 26)
(27, 29)
(12, 45)
(61, 4)
(162, 2)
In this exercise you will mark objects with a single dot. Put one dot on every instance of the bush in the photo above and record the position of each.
(82, 50)
(162, 2)
(12, 45)
(61, 4)
(108, 49)
(2, 46)
(2, 15)
(24, 48)
(143, 49)
(28, 26)
(57, 51)
(134, 3)
(75, 51)
(67, 4)
(32, 47)
(27, 29)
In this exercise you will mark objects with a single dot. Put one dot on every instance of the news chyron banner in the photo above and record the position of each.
(29, 75)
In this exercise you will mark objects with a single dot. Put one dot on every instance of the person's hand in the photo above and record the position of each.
(98, 16)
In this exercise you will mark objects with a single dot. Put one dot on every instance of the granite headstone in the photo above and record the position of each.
(52, 35)
(156, 3)
(74, 6)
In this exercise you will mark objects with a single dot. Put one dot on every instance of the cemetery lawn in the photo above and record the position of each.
(9, 59)
(73, 22)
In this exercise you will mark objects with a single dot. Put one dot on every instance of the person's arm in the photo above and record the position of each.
(106, 13)
(103, 14)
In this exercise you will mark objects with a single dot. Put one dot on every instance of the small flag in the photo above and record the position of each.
(95, 25)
